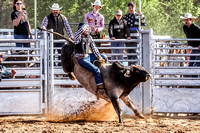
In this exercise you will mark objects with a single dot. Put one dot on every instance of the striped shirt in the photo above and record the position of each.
(78, 38)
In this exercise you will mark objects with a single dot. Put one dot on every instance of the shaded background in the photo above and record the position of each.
(163, 16)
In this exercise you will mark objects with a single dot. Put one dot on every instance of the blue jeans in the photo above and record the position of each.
(132, 57)
(117, 44)
(132, 44)
(4, 72)
(87, 63)
(194, 64)
(22, 37)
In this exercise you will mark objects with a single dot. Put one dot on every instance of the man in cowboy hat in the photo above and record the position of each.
(192, 30)
(95, 20)
(58, 23)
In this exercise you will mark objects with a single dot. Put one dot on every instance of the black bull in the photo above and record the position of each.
(119, 80)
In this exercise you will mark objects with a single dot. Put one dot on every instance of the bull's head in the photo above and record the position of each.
(140, 73)
(136, 73)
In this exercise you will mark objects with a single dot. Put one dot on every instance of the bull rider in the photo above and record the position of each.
(83, 45)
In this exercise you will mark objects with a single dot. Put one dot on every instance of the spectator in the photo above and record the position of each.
(192, 30)
(132, 19)
(3, 70)
(22, 28)
(118, 29)
(83, 42)
(187, 51)
(172, 57)
(95, 21)
(58, 23)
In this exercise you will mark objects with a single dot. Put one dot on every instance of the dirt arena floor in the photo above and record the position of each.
(50, 124)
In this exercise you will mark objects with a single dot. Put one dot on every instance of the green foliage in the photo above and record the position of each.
(163, 16)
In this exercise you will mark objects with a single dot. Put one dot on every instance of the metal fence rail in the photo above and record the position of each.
(173, 87)
(175, 84)
(23, 94)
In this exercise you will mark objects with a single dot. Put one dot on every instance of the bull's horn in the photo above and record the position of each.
(118, 64)
(127, 73)
(148, 77)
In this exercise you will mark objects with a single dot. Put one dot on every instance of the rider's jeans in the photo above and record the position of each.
(87, 63)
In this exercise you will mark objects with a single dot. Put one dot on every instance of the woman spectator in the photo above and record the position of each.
(22, 28)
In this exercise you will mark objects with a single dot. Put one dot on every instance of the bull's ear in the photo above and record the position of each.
(118, 65)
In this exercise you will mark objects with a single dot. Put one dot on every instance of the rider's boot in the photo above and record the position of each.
(100, 91)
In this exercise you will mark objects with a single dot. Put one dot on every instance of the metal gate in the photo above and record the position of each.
(64, 93)
(176, 86)
(44, 86)
(26, 92)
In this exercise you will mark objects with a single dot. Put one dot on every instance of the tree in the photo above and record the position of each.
(163, 16)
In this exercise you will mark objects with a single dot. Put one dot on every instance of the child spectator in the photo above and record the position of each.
(3, 70)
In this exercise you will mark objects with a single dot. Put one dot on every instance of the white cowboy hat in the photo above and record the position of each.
(55, 6)
(187, 16)
(97, 3)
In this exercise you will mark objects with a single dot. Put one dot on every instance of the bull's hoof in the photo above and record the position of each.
(120, 120)
(138, 114)
(71, 76)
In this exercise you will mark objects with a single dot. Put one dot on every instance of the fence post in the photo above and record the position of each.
(51, 73)
(44, 70)
(147, 64)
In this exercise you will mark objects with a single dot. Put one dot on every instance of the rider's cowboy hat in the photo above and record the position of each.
(187, 16)
(97, 3)
(55, 6)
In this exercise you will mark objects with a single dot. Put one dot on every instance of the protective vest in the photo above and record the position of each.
(82, 48)
(57, 26)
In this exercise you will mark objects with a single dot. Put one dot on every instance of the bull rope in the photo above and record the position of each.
(56, 33)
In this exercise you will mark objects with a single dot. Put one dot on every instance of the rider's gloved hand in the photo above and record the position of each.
(101, 60)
